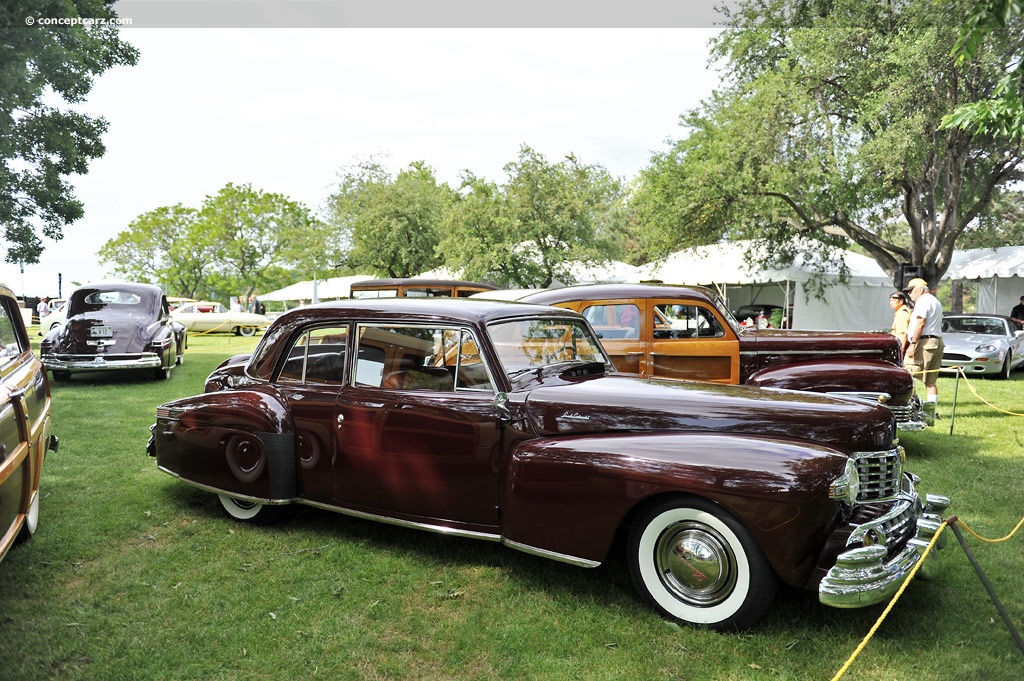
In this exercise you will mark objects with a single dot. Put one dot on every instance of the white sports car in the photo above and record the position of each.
(981, 344)
(212, 317)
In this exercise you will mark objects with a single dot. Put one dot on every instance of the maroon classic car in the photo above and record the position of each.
(501, 421)
(25, 426)
(115, 326)
(686, 332)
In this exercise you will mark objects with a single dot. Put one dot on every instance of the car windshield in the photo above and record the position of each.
(727, 314)
(975, 325)
(526, 344)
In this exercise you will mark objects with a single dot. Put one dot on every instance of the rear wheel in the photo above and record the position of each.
(697, 564)
(250, 511)
(162, 374)
(246, 331)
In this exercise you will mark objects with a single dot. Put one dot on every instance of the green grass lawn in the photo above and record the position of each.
(134, 575)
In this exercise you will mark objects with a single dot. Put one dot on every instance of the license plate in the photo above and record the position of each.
(101, 332)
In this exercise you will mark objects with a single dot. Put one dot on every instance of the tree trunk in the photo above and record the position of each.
(956, 295)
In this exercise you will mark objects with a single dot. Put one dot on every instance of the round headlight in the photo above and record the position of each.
(987, 347)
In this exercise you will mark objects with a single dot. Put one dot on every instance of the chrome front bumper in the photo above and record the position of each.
(862, 576)
(145, 360)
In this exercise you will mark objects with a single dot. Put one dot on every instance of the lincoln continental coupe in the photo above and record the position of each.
(505, 422)
(114, 326)
(26, 429)
(687, 333)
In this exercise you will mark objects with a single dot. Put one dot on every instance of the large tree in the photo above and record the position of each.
(532, 230)
(42, 144)
(390, 226)
(248, 229)
(166, 246)
(830, 128)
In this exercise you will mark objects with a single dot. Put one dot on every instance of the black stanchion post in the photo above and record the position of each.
(956, 389)
(988, 586)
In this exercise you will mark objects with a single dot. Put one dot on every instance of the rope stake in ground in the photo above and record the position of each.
(988, 586)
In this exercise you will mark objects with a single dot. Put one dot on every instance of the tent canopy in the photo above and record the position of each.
(326, 289)
(999, 273)
(861, 304)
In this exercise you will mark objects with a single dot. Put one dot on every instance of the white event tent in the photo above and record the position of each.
(859, 304)
(999, 273)
(314, 290)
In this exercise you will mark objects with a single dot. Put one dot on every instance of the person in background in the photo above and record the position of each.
(924, 341)
(900, 304)
(1017, 314)
(42, 308)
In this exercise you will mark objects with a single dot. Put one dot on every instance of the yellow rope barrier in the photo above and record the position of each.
(990, 541)
(960, 370)
(888, 608)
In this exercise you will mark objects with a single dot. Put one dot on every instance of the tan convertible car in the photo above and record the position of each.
(212, 317)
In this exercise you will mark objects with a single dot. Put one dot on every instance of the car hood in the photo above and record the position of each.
(854, 343)
(617, 403)
(969, 341)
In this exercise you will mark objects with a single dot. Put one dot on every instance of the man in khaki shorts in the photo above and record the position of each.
(924, 340)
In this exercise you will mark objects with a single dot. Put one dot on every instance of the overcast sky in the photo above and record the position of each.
(287, 109)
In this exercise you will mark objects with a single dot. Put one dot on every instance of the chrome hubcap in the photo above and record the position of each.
(696, 564)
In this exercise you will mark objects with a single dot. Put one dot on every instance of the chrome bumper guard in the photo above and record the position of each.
(862, 576)
(145, 360)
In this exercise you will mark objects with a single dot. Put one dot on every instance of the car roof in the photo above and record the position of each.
(460, 309)
(610, 291)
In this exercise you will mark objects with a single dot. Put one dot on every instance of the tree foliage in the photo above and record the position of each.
(167, 246)
(529, 232)
(830, 128)
(41, 144)
(1003, 111)
(389, 226)
(248, 229)
(239, 241)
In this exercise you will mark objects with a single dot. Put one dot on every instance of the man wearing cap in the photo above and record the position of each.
(924, 342)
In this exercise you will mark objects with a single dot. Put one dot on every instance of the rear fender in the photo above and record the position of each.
(566, 498)
(241, 442)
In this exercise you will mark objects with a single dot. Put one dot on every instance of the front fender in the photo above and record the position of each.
(569, 496)
(825, 376)
(240, 442)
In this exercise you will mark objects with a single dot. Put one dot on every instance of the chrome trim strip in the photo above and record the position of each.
(816, 353)
(544, 553)
(437, 529)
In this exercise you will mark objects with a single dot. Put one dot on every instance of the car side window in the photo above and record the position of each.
(10, 342)
(317, 357)
(685, 321)
(413, 357)
(615, 322)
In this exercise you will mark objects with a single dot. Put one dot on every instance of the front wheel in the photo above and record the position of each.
(31, 520)
(697, 564)
(1007, 366)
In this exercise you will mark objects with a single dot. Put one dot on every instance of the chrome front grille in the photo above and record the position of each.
(881, 474)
